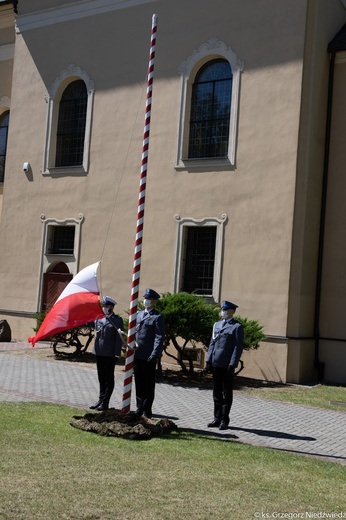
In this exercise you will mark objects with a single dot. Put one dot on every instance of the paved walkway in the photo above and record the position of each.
(298, 429)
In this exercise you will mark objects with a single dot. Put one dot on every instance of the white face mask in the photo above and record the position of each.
(106, 310)
(224, 314)
(147, 303)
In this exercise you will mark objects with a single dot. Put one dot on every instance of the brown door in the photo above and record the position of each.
(53, 286)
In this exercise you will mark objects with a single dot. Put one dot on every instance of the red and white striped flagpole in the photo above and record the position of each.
(131, 336)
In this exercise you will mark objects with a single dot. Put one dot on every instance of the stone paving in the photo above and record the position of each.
(298, 429)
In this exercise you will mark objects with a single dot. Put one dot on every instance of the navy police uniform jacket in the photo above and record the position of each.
(226, 345)
(150, 334)
(107, 341)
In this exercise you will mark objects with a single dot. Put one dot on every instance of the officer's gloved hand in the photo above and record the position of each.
(151, 359)
(208, 367)
(230, 371)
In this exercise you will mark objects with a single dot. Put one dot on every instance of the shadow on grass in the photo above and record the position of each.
(215, 435)
(274, 434)
(226, 434)
(188, 434)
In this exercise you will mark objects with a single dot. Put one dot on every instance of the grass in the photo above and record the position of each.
(51, 471)
(322, 396)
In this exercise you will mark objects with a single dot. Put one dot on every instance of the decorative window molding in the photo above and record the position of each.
(183, 223)
(211, 50)
(47, 259)
(70, 74)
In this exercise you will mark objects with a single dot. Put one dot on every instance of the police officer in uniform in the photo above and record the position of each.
(150, 333)
(224, 352)
(107, 348)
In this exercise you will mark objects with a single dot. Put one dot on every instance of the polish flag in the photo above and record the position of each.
(78, 304)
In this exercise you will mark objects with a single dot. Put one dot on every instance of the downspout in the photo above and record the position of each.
(319, 366)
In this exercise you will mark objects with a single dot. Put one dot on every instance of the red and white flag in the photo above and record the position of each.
(78, 304)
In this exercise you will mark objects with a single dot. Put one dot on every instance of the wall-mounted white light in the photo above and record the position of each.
(26, 167)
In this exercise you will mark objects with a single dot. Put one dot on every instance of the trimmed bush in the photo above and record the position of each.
(189, 321)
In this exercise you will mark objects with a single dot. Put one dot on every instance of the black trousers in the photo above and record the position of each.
(105, 372)
(222, 394)
(145, 386)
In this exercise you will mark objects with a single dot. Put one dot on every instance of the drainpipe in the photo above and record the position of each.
(318, 364)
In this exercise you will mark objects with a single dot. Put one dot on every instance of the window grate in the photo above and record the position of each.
(198, 272)
(61, 240)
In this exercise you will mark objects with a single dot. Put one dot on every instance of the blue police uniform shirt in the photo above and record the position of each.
(150, 334)
(226, 344)
(107, 341)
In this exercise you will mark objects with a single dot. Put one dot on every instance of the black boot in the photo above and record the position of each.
(214, 424)
(94, 406)
(103, 406)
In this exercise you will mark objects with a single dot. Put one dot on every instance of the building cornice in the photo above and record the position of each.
(74, 11)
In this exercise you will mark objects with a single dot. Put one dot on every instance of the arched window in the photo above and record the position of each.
(71, 125)
(4, 122)
(69, 118)
(210, 110)
(208, 121)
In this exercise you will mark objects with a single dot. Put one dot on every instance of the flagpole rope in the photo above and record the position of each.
(122, 171)
(131, 337)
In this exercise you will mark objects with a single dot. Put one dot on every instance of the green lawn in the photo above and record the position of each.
(51, 471)
(323, 396)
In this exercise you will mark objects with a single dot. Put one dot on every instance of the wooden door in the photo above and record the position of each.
(53, 286)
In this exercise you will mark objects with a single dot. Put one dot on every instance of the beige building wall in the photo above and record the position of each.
(264, 201)
(333, 323)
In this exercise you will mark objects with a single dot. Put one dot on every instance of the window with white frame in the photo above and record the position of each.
(69, 118)
(198, 256)
(209, 107)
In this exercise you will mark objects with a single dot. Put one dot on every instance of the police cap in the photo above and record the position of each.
(228, 305)
(150, 293)
(107, 300)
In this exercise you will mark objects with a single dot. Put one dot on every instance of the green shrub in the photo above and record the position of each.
(40, 316)
(253, 333)
(189, 320)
